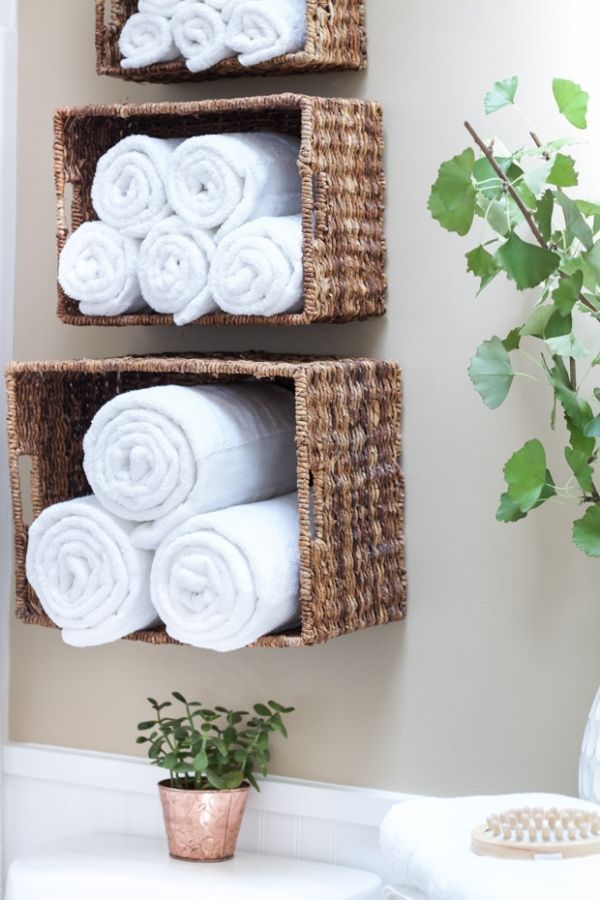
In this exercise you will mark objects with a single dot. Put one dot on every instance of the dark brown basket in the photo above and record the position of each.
(336, 41)
(341, 167)
(350, 483)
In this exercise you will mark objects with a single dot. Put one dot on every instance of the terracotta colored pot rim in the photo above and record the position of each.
(167, 786)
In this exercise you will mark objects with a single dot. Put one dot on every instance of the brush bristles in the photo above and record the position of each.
(536, 825)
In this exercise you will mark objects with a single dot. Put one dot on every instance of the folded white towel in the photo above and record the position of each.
(91, 581)
(98, 267)
(223, 180)
(160, 7)
(199, 34)
(146, 39)
(163, 454)
(128, 191)
(260, 30)
(257, 270)
(224, 579)
(427, 842)
(173, 270)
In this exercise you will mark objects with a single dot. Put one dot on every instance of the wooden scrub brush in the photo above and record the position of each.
(533, 833)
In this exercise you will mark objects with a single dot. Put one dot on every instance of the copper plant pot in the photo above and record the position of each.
(202, 825)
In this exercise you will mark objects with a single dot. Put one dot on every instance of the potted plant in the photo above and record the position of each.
(212, 756)
(539, 232)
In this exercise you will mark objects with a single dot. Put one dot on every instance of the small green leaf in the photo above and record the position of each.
(575, 223)
(215, 780)
(579, 441)
(481, 263)
(512, 340)
(233, 780)
(558, 325)
(567, 345)
(537, 178)
(526, 264)
(491, 372)
(580, 466)
(535, 326)
(592, 429)
(543, 215)
(525, 475)
(502, 94)
(588, 208)
(178, 696)
(261, 710)
(586, 532)
(572, 101)
(201, 761)
(509, 511)
(563, 173)
(452, 199)
(592, 258)
(566, 294)
(578, 412)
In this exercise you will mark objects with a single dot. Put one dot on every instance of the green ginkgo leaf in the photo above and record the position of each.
(572, 101)
(502, 94)
(491, 372)
(586, 532)
(526, 475)
(452, 198)
(526, 264)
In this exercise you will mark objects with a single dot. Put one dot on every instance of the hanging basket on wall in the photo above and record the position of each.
(350, 484)
(336, 40)
(343, 188)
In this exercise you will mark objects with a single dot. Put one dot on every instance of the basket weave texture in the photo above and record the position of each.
(343, 187)
(350, 484)
(336, 40)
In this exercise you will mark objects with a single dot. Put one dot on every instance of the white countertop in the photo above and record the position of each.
(119, 867)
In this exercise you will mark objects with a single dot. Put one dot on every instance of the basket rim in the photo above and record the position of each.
(288, 364)
(287, 99)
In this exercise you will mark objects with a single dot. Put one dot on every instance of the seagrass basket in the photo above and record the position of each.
(343, 186)
(350, 483)
(336, 40)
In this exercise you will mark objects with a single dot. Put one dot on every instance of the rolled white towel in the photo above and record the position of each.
(257, 269)
(91, 581)
(98, 267)
(128, 191)
(224, 180)
(166, 8)
(225, 579)
(199, 33)
(259, 30)
(161, 455)
(146, 39)
(173, 270)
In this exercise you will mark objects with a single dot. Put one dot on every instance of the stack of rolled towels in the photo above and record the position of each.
(193, 520)
(190, 227)
(205, 32)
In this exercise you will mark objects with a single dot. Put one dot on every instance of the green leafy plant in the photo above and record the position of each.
(538, 232)
(212, 749)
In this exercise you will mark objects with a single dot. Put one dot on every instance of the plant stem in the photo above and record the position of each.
(506, 181)
(487, 152)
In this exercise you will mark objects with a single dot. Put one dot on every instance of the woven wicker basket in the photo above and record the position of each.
(336, 41)
(341, 168)
(349, 480)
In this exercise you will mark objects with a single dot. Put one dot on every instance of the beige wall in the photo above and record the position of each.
(487, 685)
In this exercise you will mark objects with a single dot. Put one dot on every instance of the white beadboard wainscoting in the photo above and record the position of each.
(52, 793)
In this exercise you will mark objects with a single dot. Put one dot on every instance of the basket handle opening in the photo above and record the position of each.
(28, 488)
